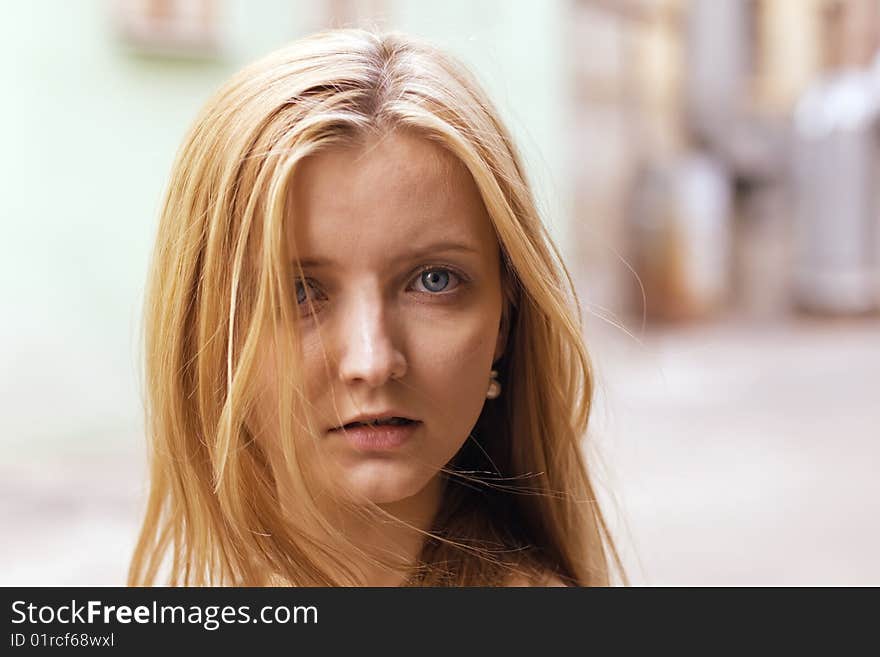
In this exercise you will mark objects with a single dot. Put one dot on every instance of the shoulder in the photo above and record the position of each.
(543, 578)
(553, 580)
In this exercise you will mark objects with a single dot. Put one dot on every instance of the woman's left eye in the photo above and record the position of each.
(437, 280)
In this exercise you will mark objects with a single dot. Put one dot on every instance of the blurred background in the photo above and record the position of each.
(709, 168)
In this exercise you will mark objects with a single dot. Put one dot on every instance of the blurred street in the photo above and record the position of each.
(745, 456)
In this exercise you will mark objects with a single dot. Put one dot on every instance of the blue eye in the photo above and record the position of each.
(302, 290)
(435, 280)
(438, 280)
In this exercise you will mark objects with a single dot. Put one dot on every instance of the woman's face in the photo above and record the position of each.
(402, 264)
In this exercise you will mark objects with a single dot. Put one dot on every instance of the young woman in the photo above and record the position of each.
(363, 353)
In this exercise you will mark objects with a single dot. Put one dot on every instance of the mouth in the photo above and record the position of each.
(379, 434)
(373, 422)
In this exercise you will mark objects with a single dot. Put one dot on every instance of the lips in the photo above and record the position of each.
(379, 419)
(378, 434)
(390, 422)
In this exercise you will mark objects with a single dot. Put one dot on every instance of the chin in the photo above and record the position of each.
(385, 482)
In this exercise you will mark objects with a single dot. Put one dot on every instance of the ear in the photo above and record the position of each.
(503, 333)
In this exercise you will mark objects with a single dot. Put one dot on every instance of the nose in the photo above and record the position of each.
(369, 346)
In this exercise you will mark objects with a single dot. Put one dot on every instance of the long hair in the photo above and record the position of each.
(518, 496)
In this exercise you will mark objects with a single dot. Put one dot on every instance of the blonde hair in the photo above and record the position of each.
(219, 275)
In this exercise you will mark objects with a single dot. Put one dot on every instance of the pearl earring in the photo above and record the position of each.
(494, 386)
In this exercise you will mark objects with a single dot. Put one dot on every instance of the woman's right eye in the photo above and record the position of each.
(306, 288)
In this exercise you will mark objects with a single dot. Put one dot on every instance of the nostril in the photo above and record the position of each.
(375, 366)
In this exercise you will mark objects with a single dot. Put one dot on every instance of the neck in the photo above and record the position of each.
(397, 539)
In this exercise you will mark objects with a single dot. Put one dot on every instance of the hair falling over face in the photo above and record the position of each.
(517, 499)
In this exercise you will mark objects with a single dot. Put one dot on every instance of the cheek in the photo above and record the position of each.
(460, 350)
(317, 371)
(452, 362)
(270, 369)
(263, 419)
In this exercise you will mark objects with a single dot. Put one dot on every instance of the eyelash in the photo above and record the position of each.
(459, 276)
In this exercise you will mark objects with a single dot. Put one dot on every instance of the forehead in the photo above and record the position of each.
(392, 191)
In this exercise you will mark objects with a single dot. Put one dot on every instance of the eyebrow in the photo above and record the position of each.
(444, 246)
